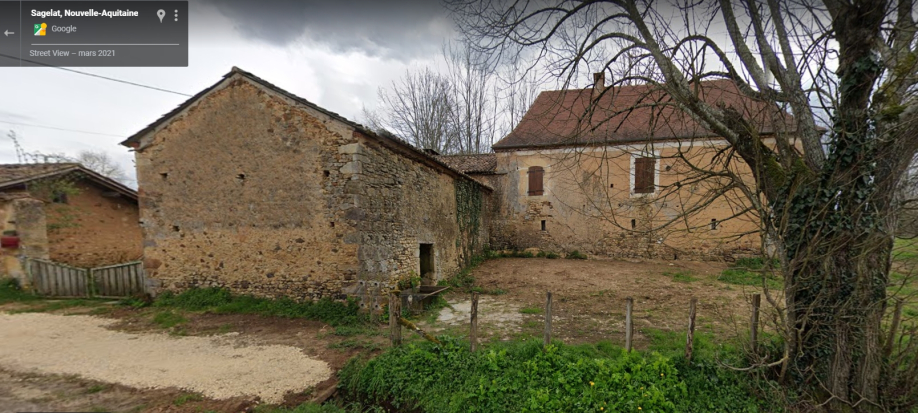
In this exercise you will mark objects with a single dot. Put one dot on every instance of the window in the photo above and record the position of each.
(535, 180)
(543, 225)
(644, 171)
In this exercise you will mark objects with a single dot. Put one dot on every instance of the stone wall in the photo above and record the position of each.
(588, 205)
(96, 227)
(26, 216)
(254, 192)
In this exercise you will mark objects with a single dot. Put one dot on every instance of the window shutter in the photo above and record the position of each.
(643, 175)
(535, 180)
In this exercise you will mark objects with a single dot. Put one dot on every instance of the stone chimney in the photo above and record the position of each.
(599, 84)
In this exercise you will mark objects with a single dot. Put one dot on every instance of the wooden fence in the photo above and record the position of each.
(396, 322)
(61, 280)
(121, 280)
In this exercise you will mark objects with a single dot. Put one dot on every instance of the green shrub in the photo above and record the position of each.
(221, 301)
(552, 256)
(521, 376)
(11, 291)
(576, 255)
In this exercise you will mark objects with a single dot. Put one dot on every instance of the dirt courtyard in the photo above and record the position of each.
(106, 357)
(588, 302)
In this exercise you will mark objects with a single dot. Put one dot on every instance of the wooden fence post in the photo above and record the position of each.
(690, 337)
(754, 328)
(395, 311)
(548, 319)
(629, 304)
(473, 333)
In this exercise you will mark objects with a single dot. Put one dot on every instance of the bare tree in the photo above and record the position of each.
(826, 196)
(96, 160)
(419, 108)
(474, 112)
(101, 163)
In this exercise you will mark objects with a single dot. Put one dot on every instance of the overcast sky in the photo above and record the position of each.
(333, 53)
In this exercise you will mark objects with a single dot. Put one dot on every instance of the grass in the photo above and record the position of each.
(680, 276)
(750, 271)
(221, 301)
(310, 407)
(905, 250)
(96, 389)
(352, 343)
(187, 398)
(168, 319)
(531, 310)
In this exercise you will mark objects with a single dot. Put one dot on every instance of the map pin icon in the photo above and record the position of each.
(161, 13)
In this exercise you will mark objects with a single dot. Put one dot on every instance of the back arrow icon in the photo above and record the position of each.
(7, 32)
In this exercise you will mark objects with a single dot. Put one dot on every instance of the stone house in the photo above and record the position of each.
(66, 213)
(624, 177)
(249, 187)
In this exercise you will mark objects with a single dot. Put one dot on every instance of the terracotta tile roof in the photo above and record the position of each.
(13, 175)
(471, 164)
(629, 114)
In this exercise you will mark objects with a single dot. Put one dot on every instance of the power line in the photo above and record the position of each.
(61, 129)
(96, 76)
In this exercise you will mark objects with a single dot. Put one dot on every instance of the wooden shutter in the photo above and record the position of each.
(535, 180)
(643, 175)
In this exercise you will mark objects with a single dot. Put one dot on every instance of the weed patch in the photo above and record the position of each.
(11, 292)
(576, 255)
(681, 276)
(522, 376)
(187, 398)
(168, 319)
(531, 310)
(221, 301)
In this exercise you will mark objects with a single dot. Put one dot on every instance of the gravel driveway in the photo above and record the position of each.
(218, 367)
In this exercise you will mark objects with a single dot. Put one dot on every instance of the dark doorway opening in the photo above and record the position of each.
(427, 265)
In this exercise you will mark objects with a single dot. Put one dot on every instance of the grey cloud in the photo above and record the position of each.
(392, 29)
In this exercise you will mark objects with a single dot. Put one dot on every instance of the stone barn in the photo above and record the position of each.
(249, 187)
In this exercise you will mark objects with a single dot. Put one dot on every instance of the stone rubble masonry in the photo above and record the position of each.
(251, 191)
(95, 228)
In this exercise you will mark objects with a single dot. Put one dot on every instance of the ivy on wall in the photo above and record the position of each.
(468, 217)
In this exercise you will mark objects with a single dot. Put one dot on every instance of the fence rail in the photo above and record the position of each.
(61, 280)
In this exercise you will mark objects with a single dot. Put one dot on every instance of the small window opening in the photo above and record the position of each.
(611, 185)
(331, 224)
(175, 228)
(633, 223)
(240, 177)
(543, 225)
(164, 175)
(668, 167)
(713, 223)
(59, 198)
(326, 173)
